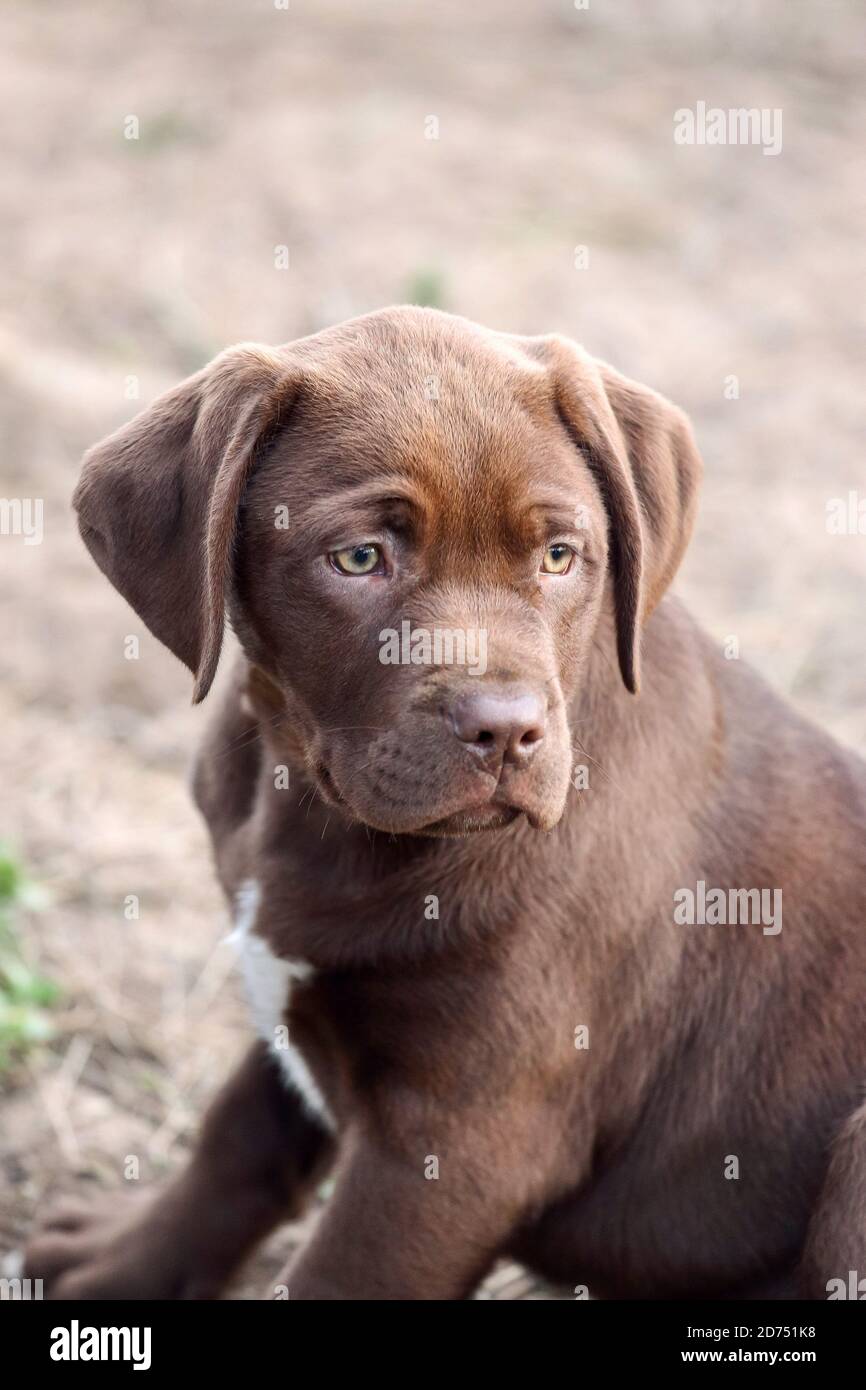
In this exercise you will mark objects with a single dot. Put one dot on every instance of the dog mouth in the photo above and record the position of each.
(492, 810)
(493, 816)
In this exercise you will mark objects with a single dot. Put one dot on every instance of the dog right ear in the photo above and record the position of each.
(158, 500)
(642, 454)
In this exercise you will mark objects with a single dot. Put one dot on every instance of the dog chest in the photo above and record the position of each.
(268, 982)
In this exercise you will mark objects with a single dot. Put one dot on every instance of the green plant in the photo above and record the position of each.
(427, 288)
(25, 994)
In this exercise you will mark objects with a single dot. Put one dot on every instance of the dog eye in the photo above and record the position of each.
(557, 559)
(357, 559)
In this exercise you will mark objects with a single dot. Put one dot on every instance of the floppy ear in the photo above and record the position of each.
(643, 455)
(157, 501)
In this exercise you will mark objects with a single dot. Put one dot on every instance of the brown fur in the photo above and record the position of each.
(454, 1037)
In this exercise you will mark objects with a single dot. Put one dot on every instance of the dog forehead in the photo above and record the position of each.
(452, 408)
(464, 460)
(390, 336)
(404, 364)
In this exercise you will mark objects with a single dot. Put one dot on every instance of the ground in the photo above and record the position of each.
(725, 277)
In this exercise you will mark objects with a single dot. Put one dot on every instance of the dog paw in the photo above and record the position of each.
(105, 1250)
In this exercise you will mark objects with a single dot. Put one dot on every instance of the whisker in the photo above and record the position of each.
(352, 728)
(600, 767)
(249, 737)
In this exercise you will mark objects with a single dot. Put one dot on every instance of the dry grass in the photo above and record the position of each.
(306, 128)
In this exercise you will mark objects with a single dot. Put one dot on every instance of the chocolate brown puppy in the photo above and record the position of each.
(552, 919)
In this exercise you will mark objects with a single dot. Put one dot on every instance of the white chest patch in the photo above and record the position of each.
(268, 981)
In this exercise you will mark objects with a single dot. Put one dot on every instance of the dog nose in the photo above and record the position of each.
(503, 725)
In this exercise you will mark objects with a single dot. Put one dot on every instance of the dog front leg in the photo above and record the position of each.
(395, 1229)
(258, 1156)
(833, 1265)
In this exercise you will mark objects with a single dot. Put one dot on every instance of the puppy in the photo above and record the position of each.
(552, 920)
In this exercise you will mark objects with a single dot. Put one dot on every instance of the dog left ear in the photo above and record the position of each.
(158, 500)
(642, 452)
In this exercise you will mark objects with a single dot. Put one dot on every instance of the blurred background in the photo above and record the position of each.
(163, 161)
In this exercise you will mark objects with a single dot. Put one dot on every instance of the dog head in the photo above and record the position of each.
(418, 527)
